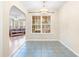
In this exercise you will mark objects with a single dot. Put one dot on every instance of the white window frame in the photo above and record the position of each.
(41, 23)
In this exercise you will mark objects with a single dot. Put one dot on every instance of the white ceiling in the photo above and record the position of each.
(37, 5)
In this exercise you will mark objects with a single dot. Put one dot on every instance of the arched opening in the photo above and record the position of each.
(16, 29)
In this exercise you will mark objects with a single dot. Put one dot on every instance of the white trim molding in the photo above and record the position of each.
(69, 48)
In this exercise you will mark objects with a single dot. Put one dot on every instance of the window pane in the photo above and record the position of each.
(46, 28)
(46, 19)
(46, 24)
(36, 28)
(36, 24)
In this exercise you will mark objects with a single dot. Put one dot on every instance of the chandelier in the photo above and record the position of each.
(44, 9)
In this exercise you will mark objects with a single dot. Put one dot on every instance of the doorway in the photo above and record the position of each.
(16, 29)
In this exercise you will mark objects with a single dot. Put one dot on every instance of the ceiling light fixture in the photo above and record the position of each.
(44, 9)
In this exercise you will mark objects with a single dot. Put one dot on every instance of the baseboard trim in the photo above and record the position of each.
(41, 40)
(69, 48)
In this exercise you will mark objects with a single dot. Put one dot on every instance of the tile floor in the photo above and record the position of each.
(43, 49)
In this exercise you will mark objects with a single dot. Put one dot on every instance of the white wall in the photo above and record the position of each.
(69, 25)
(40, 36)
(1, 22)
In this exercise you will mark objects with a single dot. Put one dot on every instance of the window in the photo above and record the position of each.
(41, 24)
(36, 24)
